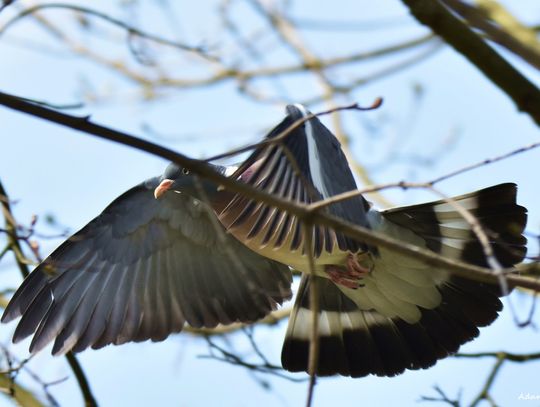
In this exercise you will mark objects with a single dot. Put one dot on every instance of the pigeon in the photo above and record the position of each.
(179, 249)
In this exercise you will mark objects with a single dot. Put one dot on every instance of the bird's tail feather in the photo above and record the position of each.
(357, 341)
(446, 232)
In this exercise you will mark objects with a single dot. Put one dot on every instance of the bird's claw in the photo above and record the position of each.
(354, 268)
(339, 276)
(348, 275)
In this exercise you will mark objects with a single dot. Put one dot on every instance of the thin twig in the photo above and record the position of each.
(501, 357)
(442, 398)
(487, 161)
(14, 370)
(234, 359)
(131, 30)
(484, 392)
(224, 73)
(426, 184)
(513, 357)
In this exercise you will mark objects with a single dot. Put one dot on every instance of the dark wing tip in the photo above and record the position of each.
(358, 342)
(24, 296)
(332, 358)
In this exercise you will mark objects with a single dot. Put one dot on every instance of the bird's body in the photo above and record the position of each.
(309, 178)
(146, 266)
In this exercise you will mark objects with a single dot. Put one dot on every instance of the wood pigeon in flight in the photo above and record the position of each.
(156, 259)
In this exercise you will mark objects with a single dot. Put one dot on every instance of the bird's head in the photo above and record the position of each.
(179, 179)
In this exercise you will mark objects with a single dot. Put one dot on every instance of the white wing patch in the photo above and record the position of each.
(457, 224)
(467, 203)
(330, 323)
(230, 170)
(313, 155)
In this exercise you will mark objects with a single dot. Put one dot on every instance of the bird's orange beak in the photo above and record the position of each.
(163, 187)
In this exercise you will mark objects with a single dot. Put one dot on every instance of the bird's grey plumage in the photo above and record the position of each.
(139, 271)
(144, 267)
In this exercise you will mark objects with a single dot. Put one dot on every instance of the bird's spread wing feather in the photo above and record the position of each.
(305, 166)
(357, 342)
(139, 271)
(407, 315)
(446, 232)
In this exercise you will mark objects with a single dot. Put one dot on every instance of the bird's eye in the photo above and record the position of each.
(185, 171)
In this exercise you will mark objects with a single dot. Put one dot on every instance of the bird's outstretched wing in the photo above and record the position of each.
(139, 271)
(307, 165)
(407, 314)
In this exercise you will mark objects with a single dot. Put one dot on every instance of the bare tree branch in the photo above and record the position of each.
(131, 30)
(523, 92)
(485, 391)
(500, 27)
(229, 356)
(442, 398)
(80, 376)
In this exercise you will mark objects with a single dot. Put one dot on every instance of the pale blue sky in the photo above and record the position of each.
(49, 169)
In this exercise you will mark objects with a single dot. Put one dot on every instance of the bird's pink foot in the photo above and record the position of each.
(349, 275)
(354, 268)
(340, 276)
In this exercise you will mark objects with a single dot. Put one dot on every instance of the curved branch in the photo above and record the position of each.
(199, 50)
(501, 27)
(523, 92)
(500, 358)
(513, 357)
